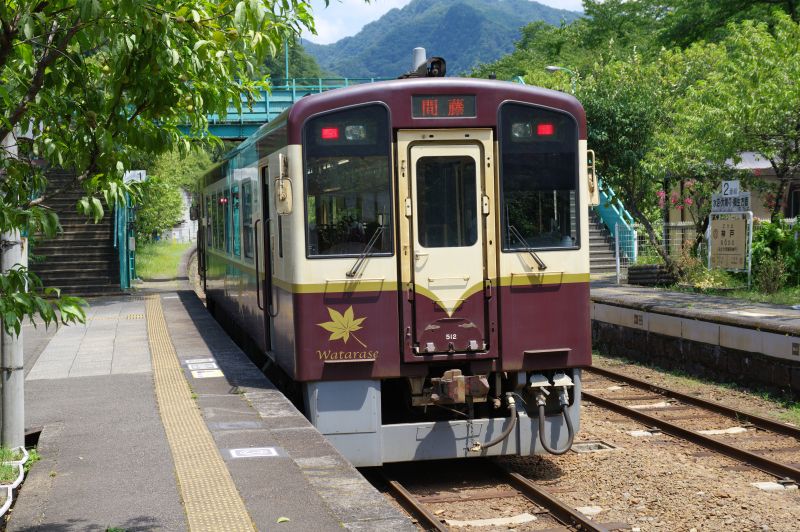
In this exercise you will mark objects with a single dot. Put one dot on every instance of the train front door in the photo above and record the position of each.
(447, 246)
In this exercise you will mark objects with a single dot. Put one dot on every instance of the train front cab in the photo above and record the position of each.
(466, 302)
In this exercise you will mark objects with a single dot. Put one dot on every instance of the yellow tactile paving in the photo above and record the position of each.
(209, 495)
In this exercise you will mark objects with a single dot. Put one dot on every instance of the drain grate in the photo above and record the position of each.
(592, 446)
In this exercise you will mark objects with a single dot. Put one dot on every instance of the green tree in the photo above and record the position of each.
(745, 97)
(301, 64)
(689, 21)
(90, 85)
(161, 208)
(161, 204)
(625, 103)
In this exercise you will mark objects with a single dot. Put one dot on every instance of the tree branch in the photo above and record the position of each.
(38, 78)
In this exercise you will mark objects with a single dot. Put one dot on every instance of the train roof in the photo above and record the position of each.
(397, 95)
(287, 128)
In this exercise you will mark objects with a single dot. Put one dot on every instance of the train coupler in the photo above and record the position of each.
(454, 388)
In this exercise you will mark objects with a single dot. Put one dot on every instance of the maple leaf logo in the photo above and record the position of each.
(343, 326)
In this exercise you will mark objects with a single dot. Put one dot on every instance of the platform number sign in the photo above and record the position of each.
(730, 188)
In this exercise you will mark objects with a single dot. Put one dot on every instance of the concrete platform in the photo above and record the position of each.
(107, 462)
(720, 337)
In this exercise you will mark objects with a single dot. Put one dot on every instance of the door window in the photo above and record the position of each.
(447, 201)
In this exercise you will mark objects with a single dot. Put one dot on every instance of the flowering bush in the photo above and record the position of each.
(677, 199)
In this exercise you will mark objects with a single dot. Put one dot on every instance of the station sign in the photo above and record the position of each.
(729, 244)
(730, 203)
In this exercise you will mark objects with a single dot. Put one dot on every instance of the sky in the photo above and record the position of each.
(343, 18)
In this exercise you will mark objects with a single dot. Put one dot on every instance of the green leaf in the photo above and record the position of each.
(26, 52)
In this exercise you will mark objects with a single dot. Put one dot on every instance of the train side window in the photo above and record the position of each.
(208, 218)
(219, 227)
(348, 182)
(226, 217)
(236, 212)
(538, 178)
(247, 220)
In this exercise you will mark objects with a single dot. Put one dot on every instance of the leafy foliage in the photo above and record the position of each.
(776, 242)
(745, 100)
(92, 86)
(161, 205)
(161, 208)
(301, 64)
(22, 296)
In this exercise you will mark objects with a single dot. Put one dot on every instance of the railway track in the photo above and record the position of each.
(546, 508)
(762, 443)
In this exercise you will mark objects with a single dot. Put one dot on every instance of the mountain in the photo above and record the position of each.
(464, 32)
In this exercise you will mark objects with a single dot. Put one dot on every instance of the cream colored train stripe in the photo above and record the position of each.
(210, 498)
(522, 279)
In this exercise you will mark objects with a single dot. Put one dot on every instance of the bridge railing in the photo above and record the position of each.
(269, 104)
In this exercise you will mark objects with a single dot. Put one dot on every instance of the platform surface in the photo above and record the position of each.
(153, 419)
(780, 319)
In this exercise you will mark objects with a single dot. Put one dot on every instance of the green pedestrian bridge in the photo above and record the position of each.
(240, 125)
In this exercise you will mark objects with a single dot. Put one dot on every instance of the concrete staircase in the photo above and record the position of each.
(82, 260)
(601, 246)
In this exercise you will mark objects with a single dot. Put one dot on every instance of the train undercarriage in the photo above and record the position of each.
(373, 422)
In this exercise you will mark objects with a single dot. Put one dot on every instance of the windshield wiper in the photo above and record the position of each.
(367, 250)
(539, 262)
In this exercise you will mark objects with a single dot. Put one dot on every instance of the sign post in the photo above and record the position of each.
(731, 230)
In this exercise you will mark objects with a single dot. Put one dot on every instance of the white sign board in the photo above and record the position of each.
(730, 188)
(737, 203)
(134, 175)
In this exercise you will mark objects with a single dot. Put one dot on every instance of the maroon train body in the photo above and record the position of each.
(415, 255)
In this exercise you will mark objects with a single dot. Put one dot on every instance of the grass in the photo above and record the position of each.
(33, 457)
(789, 295)
(159, 260)
(791, 408)
(8, 473)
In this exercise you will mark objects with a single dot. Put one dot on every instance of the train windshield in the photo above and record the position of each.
(347, 178)
(539, 178)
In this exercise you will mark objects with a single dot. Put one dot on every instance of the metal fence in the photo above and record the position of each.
(633, 245)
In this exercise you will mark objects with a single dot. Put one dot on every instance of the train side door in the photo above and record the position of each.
(265, 243)
(449, 246)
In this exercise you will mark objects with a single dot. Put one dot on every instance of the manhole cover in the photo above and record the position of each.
(592, 446)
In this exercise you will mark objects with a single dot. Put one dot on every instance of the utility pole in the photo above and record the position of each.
(13, 251)
(12, 375)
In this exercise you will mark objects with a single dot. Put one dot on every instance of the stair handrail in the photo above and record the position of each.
(617, 219)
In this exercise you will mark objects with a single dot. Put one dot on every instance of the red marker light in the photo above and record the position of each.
(330, 133)
(545, 130)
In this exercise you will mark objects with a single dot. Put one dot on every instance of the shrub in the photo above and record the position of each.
(771, 273)
(773, 240)
(694, 272)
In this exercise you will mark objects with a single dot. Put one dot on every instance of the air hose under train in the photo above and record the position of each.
(570, 431)
(540, 384)
(512, 413)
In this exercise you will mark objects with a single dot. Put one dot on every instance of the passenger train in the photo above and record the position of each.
(414, 255)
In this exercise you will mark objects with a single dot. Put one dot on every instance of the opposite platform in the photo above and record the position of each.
(714, 336)
(109, 461)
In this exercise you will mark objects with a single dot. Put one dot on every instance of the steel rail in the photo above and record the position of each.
(560, 512)
(779, 470)
(413, 506)
(558, 509)
(755, 420)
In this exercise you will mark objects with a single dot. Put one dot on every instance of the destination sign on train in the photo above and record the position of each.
(443, 106)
